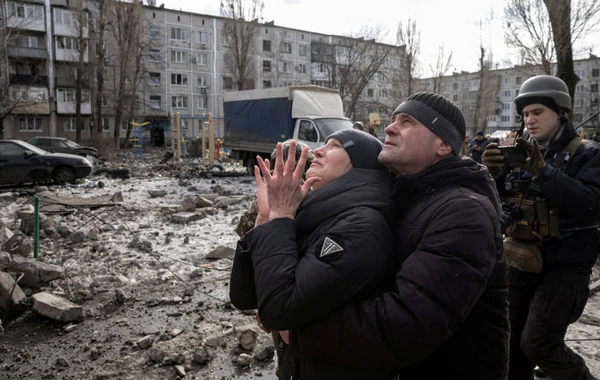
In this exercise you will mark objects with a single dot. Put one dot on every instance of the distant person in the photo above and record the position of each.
(478, 146)
(359, 126)
(372, 130)
(596, 137)
(465, 147)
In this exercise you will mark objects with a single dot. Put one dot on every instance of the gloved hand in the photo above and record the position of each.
(494, 159)
(535, 160)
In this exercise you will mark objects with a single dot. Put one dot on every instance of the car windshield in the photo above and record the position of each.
(329, 126)
(71, 144)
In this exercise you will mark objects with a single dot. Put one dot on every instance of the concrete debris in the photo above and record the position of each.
(176, 332)
(121, 296)
(4, 260)
(145, 342)
(19, 244)
(157, 193)
(202, 356)
(56, 308)
(174, 359)
(77, 237)
(187, 204)
(187, 217)
(244, 360)
(156, 355)
(11, 295)
(179, 370)
(5, 235)
(221, 252)
(264, 351)
(202, 202)
(62, 362)
(36, 273)
(117, 197)
(64, 230)
(246, 336)
(93, 234)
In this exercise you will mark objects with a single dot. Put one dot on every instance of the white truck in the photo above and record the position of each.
(255, 120)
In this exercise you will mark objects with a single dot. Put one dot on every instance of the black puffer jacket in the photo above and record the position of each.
(338, 249)
(447, 317)
(576, 194)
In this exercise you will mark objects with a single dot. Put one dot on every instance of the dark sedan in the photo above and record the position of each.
(63, 145)
(21, 162)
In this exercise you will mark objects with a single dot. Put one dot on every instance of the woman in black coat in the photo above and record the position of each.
(338, 248)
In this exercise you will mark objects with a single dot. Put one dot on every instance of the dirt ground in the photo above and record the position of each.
(142, 278)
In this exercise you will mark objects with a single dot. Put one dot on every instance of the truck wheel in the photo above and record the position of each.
(250, 165)
(64, 174)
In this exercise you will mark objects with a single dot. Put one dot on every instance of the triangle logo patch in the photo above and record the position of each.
(329, 247)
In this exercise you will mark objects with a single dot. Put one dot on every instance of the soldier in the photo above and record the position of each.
(553, 245)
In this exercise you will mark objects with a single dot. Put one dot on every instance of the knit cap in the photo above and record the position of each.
(362, 148)
(439, 114)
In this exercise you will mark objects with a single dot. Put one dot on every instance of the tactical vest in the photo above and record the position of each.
(540, 218)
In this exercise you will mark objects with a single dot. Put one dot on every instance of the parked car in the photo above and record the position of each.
(21, 162)
(63, 145)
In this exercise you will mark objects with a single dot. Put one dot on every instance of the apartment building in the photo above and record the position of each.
(497, 110)
(184, 69)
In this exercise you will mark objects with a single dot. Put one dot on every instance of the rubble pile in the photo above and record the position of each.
(131, 278)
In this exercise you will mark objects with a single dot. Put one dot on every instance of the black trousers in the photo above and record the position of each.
(542, 306)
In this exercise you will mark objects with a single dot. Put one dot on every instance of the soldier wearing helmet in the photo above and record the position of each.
(553, 195)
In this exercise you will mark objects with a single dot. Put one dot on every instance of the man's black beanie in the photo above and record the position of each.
(439, 114)
(362, 148)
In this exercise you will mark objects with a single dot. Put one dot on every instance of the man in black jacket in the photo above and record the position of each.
(557, 241)
(446, 315)
(478, 146)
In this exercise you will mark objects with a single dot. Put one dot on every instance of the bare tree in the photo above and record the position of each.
(100, 30)
(80, 26)
(239, 37)
(439, 68)
(409, 36)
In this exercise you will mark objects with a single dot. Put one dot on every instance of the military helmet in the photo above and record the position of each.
(541, 89)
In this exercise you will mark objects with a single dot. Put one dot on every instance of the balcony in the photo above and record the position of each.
(69, 30)
(16, 51)
(26, 24)
(70, 82)
(70, 55)
(31, 108)
(28, 80)
(69, 108)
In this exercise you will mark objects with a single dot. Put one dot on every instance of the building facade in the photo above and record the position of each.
(183, 68)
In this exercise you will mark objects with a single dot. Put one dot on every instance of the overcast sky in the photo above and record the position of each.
(455, 24)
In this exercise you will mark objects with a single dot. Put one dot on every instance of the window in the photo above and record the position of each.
(266, 66)
(26, 41)
(179, 79)
(67, 43)
(154, 55)
(383, 94)
(396, 62)
(594, 87)
(227, 83)
(517, 93)
(202, 81)
(465, 85)
(455, 97)
(154, 102)
(285, 67)
(595, 73)
(267, 84)
(307, 131)
(66, 95)
(518, 80)
(65, 17)
(506, 93)
(578, 102)
(106, 124)
(202, 59)
(178, 56)
(30, 124)
(579, 88)
(69, 124)
(154, 79)
(179, 101)
(202, 101)
(202, 37)
(580, 73)
(266, 45)
(302, 68)
(124, 125)
(369, 93)
(505, 106)
(505, 119)
(22, 10)
(578, 117)
(104, 100)
(455, 86)
(286, 48)
(179, 34)
(154, 31)
(302, 50)
(506, 80)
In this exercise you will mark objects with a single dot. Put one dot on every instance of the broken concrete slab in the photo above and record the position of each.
(11, 295)
(187, 204)
(221, 252)
(246, 336)
(186, 217)
(36, 273)
(202, 356)
(202, 202)
(145, 342)
(5, 235)
(210, 196)
(56, 308)
(19, 244)
(117, 197)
